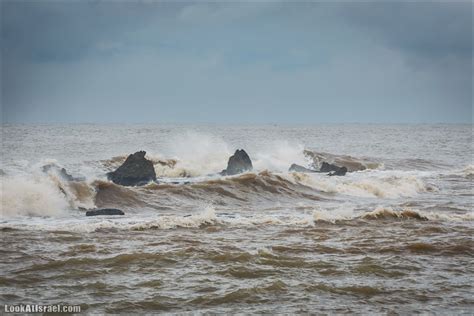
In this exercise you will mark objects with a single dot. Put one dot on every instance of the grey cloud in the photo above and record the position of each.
(276, 62)
(65, 31)
(427, 29)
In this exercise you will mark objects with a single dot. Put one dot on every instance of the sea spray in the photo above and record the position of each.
(35, 191)
(33, 196)
(344, 212)
(377, 184)
(208, 216)
(278, 156)
(195, 154)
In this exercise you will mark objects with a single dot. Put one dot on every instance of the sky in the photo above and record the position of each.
(236, 62)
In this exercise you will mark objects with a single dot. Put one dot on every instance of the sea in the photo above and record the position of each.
(392, 236)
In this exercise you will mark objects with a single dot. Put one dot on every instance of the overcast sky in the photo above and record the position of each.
(253, 62)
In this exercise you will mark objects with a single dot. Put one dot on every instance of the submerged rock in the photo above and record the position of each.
(297, 168)
(61, 172)
(341, 172)
(333, 169)
(351, 163)
(238, 163)
(136, 170)
(105, 211)
(327, 167)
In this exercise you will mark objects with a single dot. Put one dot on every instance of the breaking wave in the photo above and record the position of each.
(192, 155)
(210, 219)
(47, 194)
(265, 186)
(468, 171)
(188, 178)
(351, 163)
(32, 197)
(195, 155)
(367, 184)
(233, 191)
(388, 213)
(43, 194)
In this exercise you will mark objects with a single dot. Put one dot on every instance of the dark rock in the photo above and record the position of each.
(105, 211)
(341, 172)
(136, 170)
(327, 167)
(351, 163)
(238, 163)
(297, 168)
(333, 169)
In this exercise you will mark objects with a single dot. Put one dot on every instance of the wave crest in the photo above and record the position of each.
(351, 163)
(389, 213)
(366, 184)
(43, 193)
(31, 196)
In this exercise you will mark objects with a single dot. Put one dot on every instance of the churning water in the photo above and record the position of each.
(394, 235)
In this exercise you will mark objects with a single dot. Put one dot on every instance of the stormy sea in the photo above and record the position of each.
(392, 235)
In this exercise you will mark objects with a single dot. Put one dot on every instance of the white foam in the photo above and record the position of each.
(78, 222)
(380, 184)
(199, 154)
(208, 216)
(75, 221)
(468, 170)
(30, 191)
(33, 196)
(279, 156)
(267, 220)
(196, 154)
(451, 217)
(344, 212)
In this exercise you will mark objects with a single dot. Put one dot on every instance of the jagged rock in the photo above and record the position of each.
(333, 169)
(327, 167)
(136, 170)
(297, 168)
(238, 163)
(341, 172)
(105, 211)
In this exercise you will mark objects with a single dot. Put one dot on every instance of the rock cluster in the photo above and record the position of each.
(331, 169)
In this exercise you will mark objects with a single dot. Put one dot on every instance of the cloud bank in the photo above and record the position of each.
(263, 62)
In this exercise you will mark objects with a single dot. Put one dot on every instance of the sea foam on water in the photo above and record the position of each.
(32, 196)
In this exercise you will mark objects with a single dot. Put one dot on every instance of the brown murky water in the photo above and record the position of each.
(393, 238)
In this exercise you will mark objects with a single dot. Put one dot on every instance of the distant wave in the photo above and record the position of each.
(210, 218)
(233, 191)
(386, 184)
(262, 186)
(468, 171)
